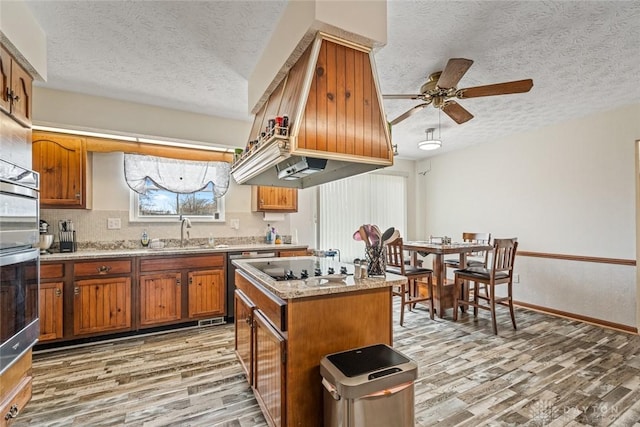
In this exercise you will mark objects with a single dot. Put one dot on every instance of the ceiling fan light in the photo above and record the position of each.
(429, 142)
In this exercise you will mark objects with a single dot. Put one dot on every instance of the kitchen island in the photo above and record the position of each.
(285, 327)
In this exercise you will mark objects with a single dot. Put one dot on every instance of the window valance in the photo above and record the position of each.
(178, 176)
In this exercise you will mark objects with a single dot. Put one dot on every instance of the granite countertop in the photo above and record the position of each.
(118, 253)
(289, 289)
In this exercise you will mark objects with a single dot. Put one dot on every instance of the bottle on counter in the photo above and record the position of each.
(267, 237)
(144, 239)
(212, 241)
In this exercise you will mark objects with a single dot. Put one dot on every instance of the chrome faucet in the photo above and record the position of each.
(184, 223)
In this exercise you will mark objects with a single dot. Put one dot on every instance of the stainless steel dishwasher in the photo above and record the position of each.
(231, 273)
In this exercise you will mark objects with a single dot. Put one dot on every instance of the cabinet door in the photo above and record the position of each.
(244, 328)
(269, 376)
(5, 80)
(51, 310)
(206, 293)
(101, 305)
(278, 199)
(21, 88)
(160, 298)
(61, 161)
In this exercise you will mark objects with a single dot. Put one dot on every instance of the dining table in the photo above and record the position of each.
(443, 297)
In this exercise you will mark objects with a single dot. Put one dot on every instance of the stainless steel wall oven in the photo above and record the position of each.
(19, 262)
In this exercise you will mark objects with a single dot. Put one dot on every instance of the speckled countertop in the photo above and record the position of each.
(118, 253)
(289, 289)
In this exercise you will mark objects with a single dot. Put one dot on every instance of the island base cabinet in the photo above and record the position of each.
(244, 333)
(269, 379)
(101, 305)
(291, 336)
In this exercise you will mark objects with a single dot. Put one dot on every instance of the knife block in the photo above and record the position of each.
(68, 241)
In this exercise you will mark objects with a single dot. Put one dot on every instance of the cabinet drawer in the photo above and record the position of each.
(180, 262)
(51, 271)
(12, 406)
(274, 308)
(293, 252)
(103, 267)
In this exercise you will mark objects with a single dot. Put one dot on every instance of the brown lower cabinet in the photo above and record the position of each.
(102, 296)
(101, 305)
(160, 298)
(89, 298)
(15, 389)
(50, 313)
(280, 343)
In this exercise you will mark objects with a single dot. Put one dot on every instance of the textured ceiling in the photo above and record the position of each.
(583, 57)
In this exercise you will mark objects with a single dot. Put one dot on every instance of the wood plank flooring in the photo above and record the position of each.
(550, 372)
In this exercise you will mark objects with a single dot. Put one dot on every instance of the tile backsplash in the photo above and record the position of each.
(92, 232)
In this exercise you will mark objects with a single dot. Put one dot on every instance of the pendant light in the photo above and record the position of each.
(429, 142)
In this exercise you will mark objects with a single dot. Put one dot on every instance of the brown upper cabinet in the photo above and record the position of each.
(63, 164)
(274, 199)
(15, 98)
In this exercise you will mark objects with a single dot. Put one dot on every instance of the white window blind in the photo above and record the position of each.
(346, 204)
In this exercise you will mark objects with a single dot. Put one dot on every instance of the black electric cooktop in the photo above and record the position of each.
(300, 269)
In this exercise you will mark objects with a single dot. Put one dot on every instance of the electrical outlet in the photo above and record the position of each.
(113, 224)
(516, 278)
(235, 224)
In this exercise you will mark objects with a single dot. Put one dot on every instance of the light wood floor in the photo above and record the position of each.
(551, 372)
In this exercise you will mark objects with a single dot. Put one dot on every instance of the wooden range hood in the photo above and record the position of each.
(332, 98)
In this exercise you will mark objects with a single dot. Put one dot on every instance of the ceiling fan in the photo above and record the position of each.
(441, 87)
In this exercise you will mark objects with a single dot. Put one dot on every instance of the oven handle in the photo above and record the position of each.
(18, 257)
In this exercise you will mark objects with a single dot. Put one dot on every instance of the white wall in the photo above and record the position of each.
(564, 189)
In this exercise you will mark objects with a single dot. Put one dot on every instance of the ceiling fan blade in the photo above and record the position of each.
(406, 114)
(419, 96)
(457, 112)
(453, 72)
(518, 86)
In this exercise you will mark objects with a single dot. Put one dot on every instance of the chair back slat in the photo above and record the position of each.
(504, 255)
(395, 254)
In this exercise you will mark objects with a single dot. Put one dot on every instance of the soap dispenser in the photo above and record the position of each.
(144, 239)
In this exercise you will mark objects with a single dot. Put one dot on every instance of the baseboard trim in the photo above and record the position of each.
(578, 317)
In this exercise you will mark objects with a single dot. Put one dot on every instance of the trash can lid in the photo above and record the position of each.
(366, 359)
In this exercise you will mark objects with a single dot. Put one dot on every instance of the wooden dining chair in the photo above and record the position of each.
(475, 258)
(419, 284)
(500, 273)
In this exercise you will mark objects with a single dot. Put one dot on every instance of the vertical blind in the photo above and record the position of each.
(346, 204)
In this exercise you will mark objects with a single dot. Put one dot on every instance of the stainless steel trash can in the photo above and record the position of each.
(369, 386)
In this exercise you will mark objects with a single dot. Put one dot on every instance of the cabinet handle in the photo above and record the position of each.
(191, 280)
(13, 412)
(103, 269)
(78, 196)
(58, 292)
(248, 320)
(9, 94)
(178, 282)
(16, 98)
(76, 291)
